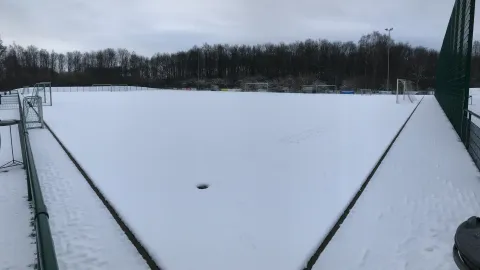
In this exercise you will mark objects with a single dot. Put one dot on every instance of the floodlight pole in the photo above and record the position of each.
(388, 57)
(198, 69)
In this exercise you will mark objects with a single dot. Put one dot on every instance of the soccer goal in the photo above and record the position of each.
(33, 112)
(43, 90)
(406, 89)
(256, 87)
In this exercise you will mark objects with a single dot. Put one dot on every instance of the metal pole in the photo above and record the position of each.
(397, 92)
(388, 57)
(198, 70)
(11, 143)
(388, 64)
(467, 139)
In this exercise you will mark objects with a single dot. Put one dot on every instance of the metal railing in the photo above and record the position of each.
(472, 137)
(46, 256)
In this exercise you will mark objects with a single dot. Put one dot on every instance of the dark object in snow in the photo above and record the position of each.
(202, 186)
(466, 250)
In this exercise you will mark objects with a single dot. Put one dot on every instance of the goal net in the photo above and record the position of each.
(405, 91)
(33, 112)
(43, 90)
(256, 87)
(319, 88)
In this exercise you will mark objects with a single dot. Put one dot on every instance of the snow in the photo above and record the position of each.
(407, 216)
(474, 103)
(281, 167)
(17, 247)
(84, 233)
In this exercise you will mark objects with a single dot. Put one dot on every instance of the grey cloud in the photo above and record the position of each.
(149, 26)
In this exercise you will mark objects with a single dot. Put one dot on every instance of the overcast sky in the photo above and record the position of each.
(149, 26)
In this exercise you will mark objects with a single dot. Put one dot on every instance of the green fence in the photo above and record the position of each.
(46, 257)
(453, 70)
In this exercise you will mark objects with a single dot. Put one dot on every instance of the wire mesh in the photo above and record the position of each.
(453, 70)
(33, 112)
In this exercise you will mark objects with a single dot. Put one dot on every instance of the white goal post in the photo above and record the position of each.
(256, 87)
(33, 112)
(44, 90)
(406, 89)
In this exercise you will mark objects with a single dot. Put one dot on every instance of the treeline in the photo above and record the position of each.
(345, 64)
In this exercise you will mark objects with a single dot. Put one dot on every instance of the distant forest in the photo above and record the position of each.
(348, 65)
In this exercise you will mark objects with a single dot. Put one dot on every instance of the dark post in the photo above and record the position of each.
(467, 140)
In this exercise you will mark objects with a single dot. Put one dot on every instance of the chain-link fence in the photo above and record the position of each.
(101, 88)
(453, 70)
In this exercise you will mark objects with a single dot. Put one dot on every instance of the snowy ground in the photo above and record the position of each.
(281, 167)
(84, 233)
(407, 216)
(474, 104)
(17, 245)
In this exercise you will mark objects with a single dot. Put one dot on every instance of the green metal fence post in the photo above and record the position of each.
(46, 256)
(21, 131)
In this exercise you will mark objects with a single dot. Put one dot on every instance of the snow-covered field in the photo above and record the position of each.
(408, 214)
(281, 167)
(474, 102)
(17, 242)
